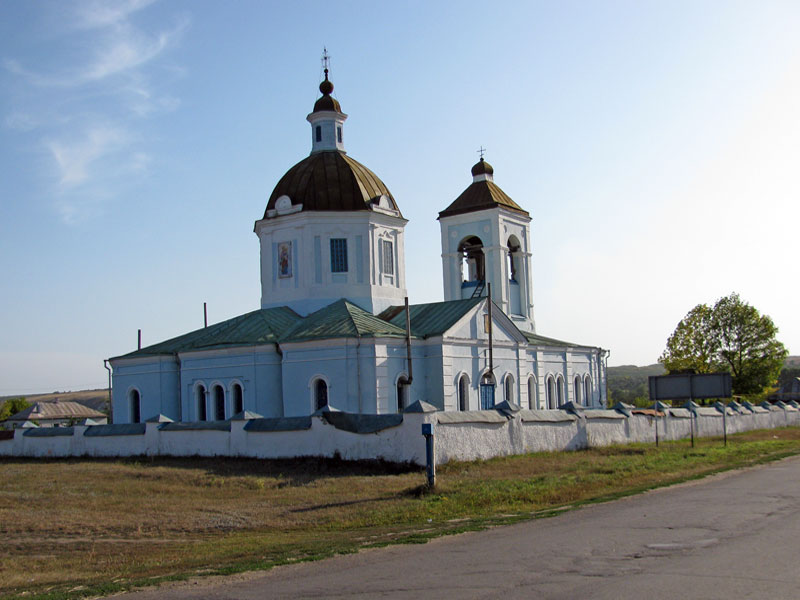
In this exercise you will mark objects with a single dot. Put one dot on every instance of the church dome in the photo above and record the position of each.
(331, 180)
(326, 102)
(482, 168)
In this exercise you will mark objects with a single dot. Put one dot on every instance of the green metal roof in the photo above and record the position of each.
(546, 341)
(431, 319)
(341, 319)
(262, 326)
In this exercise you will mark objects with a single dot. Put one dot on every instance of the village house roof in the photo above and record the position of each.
(56, 410)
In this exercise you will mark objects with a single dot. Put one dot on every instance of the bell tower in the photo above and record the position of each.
(486, 240)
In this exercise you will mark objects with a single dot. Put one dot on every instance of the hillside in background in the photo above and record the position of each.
(626, 383)
(96, 399)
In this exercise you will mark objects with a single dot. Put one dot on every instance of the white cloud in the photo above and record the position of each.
(128, 49)
(91, 15)
(121, 50)
(85, 98)
(74, 159)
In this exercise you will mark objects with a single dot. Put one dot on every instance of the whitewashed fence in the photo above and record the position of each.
(470, 435)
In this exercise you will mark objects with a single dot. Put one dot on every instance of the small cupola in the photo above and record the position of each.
(327, 119)
(482, 171)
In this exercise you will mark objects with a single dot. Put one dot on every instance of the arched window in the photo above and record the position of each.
(509, 388)
(533, 393)
(135, 402)
(200, 398)
(587, 387)
(559, 390)
(550, 392)
(472, 260)
(402, 393)
(320, 393)
(487, 391)
(577, 385)
(219, 403)
(238, 398)
(463, 392)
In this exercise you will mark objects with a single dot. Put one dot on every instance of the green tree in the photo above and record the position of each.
(731, 336)
(747, 345)
(12, 407)
(693, 346)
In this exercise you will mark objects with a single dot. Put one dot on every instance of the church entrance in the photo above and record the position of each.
(320, 394)
(487, 392)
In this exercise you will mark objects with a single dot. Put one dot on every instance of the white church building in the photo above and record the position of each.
(334, 330)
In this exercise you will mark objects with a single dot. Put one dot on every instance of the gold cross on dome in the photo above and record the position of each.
(481, 151)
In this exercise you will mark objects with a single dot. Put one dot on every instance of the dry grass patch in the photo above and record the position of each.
(106, 524)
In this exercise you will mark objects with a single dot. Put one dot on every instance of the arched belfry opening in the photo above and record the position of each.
(515, 270)
(473, 266)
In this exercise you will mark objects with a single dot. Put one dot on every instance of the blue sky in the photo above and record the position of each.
(655, 144)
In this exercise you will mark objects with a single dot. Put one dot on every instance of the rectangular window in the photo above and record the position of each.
(339, 134)
(318, 133)
(388, 257)
(338, 255)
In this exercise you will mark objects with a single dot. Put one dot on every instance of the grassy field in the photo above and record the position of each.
(81, 527)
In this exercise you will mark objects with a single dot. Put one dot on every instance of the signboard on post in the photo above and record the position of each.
(690, 386)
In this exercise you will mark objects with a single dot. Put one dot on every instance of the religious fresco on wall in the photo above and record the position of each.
(285, 260)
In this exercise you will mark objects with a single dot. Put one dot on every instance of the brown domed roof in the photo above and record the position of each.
(330, 180)
(327, 102)
(481, 195)
(482, 168)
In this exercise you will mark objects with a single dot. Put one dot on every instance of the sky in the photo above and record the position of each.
(656, 145)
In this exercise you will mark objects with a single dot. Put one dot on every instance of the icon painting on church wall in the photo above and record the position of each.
(285, 260)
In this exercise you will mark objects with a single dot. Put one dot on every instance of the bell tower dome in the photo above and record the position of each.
(486, 240)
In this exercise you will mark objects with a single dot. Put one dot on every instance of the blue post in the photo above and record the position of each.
(430, 453)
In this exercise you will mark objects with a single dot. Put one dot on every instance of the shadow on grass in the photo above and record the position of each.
(294, 471)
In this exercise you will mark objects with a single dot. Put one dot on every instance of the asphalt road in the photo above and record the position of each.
(734, 535)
